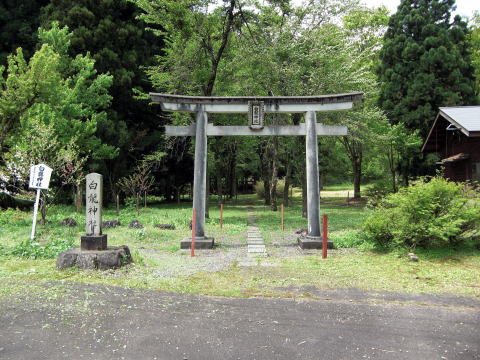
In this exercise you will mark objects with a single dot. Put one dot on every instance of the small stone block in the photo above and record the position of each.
(255, 242)
(256, 249)
(312, 243)
(93, 242)
(200, 243)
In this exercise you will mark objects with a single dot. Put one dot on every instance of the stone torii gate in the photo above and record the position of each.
(256, 107)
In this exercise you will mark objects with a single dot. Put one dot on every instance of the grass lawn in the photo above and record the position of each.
(227, 270)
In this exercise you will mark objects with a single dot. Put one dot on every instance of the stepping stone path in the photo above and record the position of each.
(255, 243)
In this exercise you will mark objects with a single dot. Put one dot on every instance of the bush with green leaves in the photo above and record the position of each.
(377, 191)
(429, 213)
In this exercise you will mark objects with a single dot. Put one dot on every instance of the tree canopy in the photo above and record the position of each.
(425, 63)
(121, 46)
(19, 20)
(86, 88)
(50, 107)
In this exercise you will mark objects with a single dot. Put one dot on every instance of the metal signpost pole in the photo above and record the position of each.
(39, 179)
(35, 212)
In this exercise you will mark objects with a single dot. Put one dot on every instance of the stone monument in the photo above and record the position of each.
(94, 239)
(94, 252)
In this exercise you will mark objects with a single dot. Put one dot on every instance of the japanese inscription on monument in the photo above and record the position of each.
(94, 204)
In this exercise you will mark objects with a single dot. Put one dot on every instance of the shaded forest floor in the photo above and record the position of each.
(229, 270)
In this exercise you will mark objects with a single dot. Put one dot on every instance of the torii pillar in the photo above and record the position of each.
(256, 107)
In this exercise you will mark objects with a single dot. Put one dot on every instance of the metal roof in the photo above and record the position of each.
(464, 117)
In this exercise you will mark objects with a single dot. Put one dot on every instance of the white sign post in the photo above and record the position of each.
(39, 179)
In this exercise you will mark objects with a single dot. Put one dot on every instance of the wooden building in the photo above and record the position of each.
(455, 137)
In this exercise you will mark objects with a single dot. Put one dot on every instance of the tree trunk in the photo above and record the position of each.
(117, 201)
(168, 190)
(265, 173)
(266, 190)
(233, 189)
(274, 174)
(391, 165)
(215, 58)
(78, 197)
(405, 178)
(219, 186)
(357, 176)
(394, 181)
(287, 182)
(355, 154)
(273, 187)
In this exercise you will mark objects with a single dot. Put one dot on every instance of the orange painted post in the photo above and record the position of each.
(221, 216)
(324, 236)
(192, 247)
(283, 219)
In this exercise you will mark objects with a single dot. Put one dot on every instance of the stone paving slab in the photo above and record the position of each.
(257, 249)
(255, 243)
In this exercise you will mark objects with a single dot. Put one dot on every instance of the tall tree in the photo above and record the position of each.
(121, 46)
(50, 107)
(425, 63)
(196, 35)
(474, 39)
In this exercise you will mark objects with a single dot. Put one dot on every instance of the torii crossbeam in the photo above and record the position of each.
(256, 106)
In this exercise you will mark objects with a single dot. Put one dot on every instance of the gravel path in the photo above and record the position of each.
(230, 250)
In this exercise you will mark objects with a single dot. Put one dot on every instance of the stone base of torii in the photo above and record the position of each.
(255, 107)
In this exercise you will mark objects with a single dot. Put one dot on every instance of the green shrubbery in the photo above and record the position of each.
(33, 250)
(426, 214)
(377, 191)
(260, 188)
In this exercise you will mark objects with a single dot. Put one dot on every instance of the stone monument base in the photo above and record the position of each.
(200, 243)
(93, 242)
(111, 258)
(312, 242)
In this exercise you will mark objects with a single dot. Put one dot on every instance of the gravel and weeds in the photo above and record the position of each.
(229, 270)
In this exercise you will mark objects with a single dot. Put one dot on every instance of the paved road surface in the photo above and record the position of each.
(98, 322)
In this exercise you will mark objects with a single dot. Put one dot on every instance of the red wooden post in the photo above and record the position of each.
(221, 216)
(192, 247)
(283, 221)
(324, 236)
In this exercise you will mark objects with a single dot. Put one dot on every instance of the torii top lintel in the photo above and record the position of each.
(273, 104)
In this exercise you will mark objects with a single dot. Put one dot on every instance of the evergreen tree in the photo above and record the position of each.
(424, 63)
(19, 20)
(475, 44)
(120, 46)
